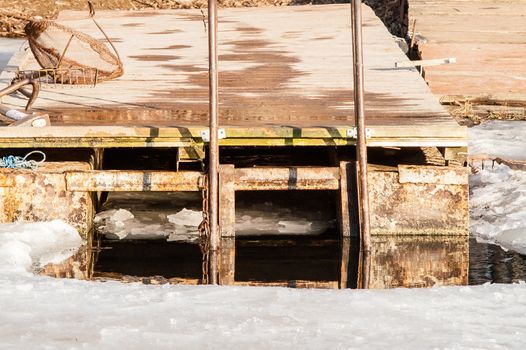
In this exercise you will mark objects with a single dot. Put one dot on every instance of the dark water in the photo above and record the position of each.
(490, 263)
(397, 261)
(414, 262)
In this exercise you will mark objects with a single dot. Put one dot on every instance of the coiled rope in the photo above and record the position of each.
(16, 162)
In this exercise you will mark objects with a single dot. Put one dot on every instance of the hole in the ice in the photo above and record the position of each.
(281, 236)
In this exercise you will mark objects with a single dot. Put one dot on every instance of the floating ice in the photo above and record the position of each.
(175, 218)
(294, 227)
(186, 217)
(121, 215)
(114, 223)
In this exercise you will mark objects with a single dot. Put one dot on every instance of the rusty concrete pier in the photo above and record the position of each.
(286, 88)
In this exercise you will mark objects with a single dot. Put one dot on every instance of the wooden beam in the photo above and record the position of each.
(425, 63)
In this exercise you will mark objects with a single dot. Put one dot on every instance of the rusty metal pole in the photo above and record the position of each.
(213, 153)
(361, 145)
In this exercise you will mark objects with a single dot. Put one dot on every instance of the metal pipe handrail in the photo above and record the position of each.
(213, 165)
(361, 145)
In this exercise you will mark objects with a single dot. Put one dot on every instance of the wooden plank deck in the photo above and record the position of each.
(285, 79)
(487, 37)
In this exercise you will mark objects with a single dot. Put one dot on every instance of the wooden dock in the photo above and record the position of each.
(487, 38)
(285, 79)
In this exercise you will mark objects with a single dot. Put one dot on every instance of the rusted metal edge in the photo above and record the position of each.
(291, 284)
(245, 179)
(132, 180)
(418, 174)
(287, 178)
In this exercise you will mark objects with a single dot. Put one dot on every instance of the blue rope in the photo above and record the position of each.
(15, 162)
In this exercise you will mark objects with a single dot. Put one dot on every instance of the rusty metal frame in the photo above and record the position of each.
(213, 153)
(361, 144)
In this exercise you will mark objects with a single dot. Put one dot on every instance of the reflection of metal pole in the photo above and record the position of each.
(361, 146)
(214, 145)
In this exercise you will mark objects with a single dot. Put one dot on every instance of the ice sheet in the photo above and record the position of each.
(40, 312)
(498, 206)
(497, 138)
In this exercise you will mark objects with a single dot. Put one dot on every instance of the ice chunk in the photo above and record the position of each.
(113, 215)
(186, 217)
(121, 215)
(294, 227)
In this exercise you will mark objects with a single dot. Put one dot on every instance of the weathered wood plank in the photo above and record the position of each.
(485, 36)
(294, 75)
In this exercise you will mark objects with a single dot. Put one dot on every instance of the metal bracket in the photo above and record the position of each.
(353, 133)
(205, 134)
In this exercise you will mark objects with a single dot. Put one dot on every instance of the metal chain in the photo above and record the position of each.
(204, 229)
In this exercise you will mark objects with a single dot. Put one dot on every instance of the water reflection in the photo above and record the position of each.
(419, 261)
(490, 263)
(323, 261)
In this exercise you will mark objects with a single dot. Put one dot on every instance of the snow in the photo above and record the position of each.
(498, 193)
(40, 312)
(28, 246)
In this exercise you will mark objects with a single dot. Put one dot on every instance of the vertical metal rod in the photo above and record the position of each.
(361, 146)
(214, 145)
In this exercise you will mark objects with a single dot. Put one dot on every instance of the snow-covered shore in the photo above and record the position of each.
(38, 312)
